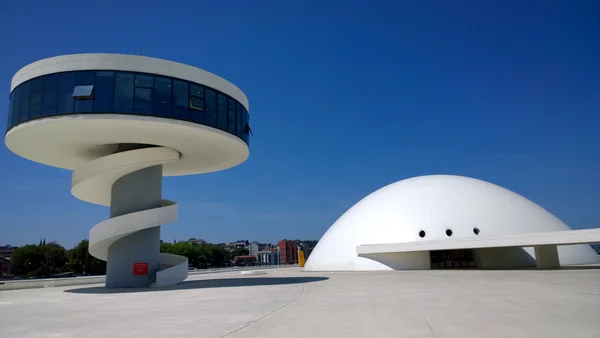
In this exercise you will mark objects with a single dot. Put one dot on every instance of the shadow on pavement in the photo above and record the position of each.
(204, 284)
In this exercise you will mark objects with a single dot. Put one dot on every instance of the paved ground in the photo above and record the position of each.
(290, 303)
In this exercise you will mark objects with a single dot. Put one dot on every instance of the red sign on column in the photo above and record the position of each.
(140, 269)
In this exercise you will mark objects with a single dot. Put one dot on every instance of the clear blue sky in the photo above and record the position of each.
(345, 97)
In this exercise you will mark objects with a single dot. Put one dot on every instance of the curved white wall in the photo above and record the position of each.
(396, 213)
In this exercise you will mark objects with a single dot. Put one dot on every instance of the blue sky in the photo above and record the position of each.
(345, 97)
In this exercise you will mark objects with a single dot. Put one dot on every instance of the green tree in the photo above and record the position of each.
(166, 247)
(81, 261)
(39, 260)
(238, 252)
(56, 258)
(192, 252)
(199, 256)
(219, 256)
(26, 260)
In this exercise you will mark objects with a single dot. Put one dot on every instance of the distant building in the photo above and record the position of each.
(289, 251)
(253, 249)
(6, 251)
(267, 257)
(196, 241)
(240, 244)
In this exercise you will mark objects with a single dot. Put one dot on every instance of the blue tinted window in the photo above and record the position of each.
(231, 109)
(222, 112)
(245, 126)
(35, 104)
(49, 99)
(238, 118)
(36, 98)
(162, 96)
(247, 139)
(180, 99)
(196, 113)
(143, 94)
(83, 105)
(210, 108)
(25, 95)
(83, 90)
(66, 82)
(143, 100)
(196, 103)
(103, 92)
(123, 92)
(35, 84)
(16, 100)
(84, 78)
(242, 122)
(126, 92)
(10, 108)
(142, 80)
(143, 107)
(197, 90)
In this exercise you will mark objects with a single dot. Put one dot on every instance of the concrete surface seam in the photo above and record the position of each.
(422, 315)
(266, 315)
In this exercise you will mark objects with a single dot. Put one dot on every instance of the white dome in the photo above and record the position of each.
(398, 212)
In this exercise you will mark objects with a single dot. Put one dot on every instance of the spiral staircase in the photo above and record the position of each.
(93, 182)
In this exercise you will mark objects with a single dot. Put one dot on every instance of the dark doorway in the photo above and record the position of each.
(451, 259)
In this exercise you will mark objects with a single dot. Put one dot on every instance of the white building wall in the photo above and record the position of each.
(398, 212)
(253, 249)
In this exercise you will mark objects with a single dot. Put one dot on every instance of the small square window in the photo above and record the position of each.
(143, 94)
(83, 92)
(231, 104)
(197, 103)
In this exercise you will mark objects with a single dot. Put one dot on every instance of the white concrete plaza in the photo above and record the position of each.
(292, 303)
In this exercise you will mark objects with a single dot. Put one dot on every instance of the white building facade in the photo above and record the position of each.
(440, 209)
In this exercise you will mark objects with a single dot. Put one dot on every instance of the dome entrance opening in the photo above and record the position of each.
(448, 232)
(422, 233)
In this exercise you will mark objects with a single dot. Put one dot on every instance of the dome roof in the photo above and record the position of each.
(430, 208)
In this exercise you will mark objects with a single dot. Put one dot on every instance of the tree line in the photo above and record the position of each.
(51, 259)
(203, 256)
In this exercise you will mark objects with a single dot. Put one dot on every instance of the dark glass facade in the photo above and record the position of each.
(111, 92)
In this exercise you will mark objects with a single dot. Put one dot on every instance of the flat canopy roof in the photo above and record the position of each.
(566, 237)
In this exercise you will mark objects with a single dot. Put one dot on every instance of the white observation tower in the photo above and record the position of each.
(121, 123)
